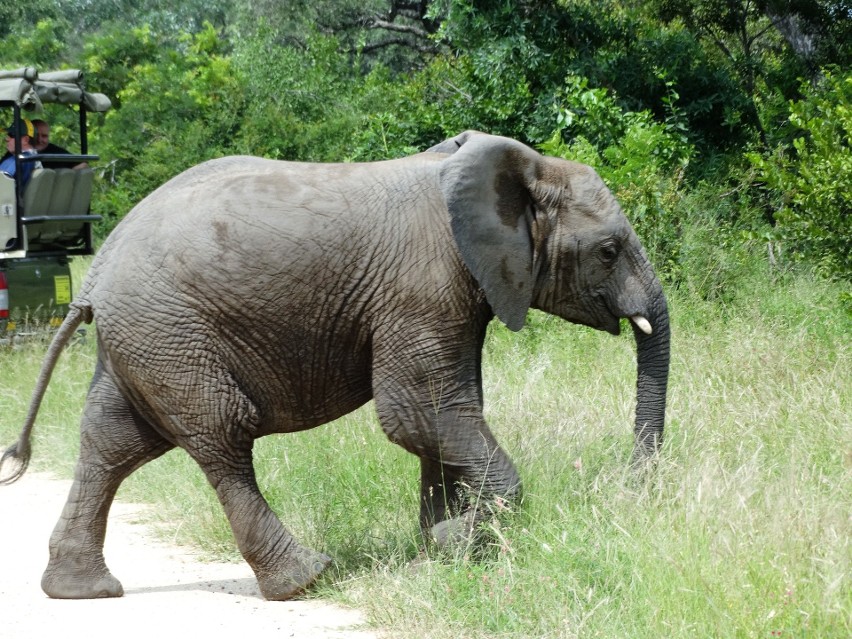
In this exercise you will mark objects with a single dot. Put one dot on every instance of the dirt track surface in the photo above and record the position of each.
(168, 592)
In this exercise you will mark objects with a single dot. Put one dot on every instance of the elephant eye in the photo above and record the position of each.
(609, 251)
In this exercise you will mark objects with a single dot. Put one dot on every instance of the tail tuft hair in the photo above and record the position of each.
(19, 453)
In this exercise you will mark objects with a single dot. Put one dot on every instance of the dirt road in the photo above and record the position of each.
(168, 593)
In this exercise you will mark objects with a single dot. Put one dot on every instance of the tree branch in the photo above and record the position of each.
(719, 42)
(375, 23)
(368, 48)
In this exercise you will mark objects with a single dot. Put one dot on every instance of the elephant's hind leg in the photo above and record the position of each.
(114, 442)
(282, 566)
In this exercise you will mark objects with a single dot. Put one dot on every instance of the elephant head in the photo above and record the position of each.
(545, 233)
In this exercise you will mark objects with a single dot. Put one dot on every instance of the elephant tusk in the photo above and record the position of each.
(642, 324)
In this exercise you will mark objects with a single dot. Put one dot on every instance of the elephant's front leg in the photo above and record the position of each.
(427, 386)
(465, 474)
(446, 517)
(468, 480)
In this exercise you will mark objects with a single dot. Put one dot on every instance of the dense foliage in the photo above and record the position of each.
(740, 104)
(810, 177)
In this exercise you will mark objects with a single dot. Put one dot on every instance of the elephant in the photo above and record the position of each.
(250, 296)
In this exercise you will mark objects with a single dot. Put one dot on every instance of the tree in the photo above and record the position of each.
(17, 18)
(164, 17)
(177, 106)
(392, 33)
(817, 31)
(810, 179)
(749, 36)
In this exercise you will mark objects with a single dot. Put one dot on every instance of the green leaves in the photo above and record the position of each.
(176, 107)
(810, 178)
(40, 45)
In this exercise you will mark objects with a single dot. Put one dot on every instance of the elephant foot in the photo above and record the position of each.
(458, 532)
(299, 573)
(82, 584)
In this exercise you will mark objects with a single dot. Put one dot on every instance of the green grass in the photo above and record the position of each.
(743, 531)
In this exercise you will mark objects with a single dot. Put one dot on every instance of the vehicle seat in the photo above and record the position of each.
(8, 212)
(60, 200)
(78, 204)
(37, 193)
(37, 199)
(84, 182)
(55, 193)
(60, 195)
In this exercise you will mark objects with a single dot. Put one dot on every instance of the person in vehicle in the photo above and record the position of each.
(43, 144)
(7, 165)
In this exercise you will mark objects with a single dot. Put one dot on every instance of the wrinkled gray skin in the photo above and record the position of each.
(249, 296)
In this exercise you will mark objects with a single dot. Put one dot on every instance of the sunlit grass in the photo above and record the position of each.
(743, 531)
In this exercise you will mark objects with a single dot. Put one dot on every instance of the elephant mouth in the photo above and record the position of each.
(612, 324)
(638, 321)
(608, 323)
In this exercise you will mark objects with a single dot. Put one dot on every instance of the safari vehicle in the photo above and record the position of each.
(47, 222)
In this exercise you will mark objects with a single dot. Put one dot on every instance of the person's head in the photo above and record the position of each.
(41, 133)
(26, 131)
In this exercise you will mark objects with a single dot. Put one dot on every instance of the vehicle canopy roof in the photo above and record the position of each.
(28, 89)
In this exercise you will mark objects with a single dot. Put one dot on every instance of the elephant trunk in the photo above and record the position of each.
(652, 356)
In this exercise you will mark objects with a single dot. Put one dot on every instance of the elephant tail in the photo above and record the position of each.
(21, 450)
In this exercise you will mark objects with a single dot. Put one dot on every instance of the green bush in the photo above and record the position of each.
(810, 178)
(177, 108)
(41, 45)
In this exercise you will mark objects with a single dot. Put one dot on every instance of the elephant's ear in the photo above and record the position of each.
(486, 186)
(452, 145)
